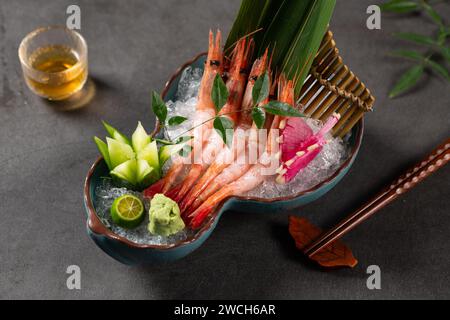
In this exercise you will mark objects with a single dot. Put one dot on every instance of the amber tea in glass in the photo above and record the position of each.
(54, 62)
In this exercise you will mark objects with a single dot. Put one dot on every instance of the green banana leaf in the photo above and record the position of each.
(300, 56)
(294, 29)
(283, 28)
(247, 19)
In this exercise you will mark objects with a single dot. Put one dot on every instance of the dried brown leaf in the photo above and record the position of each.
(335, 255)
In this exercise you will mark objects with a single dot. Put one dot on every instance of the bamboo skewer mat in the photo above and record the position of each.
(332, 87)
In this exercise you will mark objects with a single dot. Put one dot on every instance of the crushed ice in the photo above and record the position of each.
(105, 194)
(186, 100)
(333, 154)
(324, 166)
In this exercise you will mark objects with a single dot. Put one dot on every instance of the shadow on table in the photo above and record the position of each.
(253, 255)
(234, 264)
(82, 99)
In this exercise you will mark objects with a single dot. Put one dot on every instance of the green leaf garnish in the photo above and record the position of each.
(259, 117)
(445, 52)
(178, 140)
(400, 6)
(159, 108)
(165, 152)
(183, 139)
(282, 109)
(407, 81)
(185, 151)
(439, 69)
(176, 121)
(261, 89)
(432, 14)
(306, 43)
(164, 141)
(224, 128)
(219, 93)
(409, 54)
(442, 37)
(416, 38)
(293, 30)
(436, 46)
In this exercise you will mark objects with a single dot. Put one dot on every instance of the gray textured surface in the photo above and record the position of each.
(134, 47)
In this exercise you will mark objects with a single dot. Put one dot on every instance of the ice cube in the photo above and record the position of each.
(105, 194)
(189, 84)
(333, 154)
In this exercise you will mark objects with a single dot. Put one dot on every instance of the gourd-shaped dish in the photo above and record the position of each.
(330, 87)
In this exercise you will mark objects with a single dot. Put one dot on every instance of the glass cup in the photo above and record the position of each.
(54, 62)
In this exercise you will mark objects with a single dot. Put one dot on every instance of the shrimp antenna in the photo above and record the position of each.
(264, 60)
(281, 85)
(271, 55)
(274, 84)
(243, 37)
(248, 54)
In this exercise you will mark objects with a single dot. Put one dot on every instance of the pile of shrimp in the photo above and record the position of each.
(211, 178)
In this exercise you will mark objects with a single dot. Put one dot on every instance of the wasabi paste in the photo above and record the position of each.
(165, 218)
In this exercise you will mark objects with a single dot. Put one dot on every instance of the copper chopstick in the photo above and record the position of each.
(433, 162)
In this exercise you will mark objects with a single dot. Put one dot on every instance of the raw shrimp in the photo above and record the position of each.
(233, 159)
(236, 86)
(256, 174)
(231, 173)
(205, 110)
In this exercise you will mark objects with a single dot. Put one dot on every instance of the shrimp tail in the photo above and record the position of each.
(197, 218)
(197, 203)
(155, 188)
(188, 182)
(172, 193)
(213, 171)
(161, 187)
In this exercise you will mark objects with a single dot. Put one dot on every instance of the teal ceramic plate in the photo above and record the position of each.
(128, 252)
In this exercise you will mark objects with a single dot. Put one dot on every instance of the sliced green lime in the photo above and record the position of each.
(127, 211)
